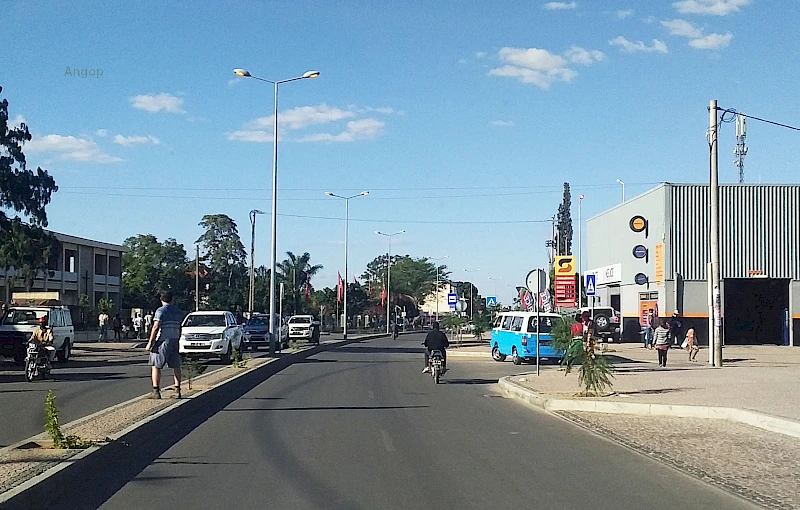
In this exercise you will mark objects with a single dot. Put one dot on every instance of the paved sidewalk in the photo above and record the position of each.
(756, 378)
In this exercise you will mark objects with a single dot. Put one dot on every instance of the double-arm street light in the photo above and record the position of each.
(471, 293)
(437, 284)
(274, 242)
(346, 234)
(253, 214)
(494, 279)
(388, 273)
(623, 189)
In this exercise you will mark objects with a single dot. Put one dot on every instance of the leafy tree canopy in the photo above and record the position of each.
(151, 266)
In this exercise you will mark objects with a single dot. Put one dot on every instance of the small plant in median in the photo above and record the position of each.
(191, 368)
(594, 373)
(237, 362)
(53, 428)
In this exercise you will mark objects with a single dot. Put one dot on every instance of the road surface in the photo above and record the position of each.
(359, 427)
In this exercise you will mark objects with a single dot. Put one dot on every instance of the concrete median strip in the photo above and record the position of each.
(512, 389)
(28, 467)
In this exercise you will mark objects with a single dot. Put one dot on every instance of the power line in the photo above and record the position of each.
(734, 112)
(417, 222)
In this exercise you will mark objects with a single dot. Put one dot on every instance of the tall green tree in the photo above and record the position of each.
(411, 277)
(564, 223)
(24, 194)
(228, 278)
(151, 266)
(296, 272)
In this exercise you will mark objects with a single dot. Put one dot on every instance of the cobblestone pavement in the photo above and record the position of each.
(757, 465)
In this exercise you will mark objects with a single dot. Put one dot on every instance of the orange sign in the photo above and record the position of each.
(638, 223)
(565, 266)
(659, 251)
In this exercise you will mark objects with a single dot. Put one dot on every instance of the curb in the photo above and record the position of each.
(516, 391)
(133, 448)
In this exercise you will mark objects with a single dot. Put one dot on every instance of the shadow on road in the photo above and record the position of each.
(324, 408)
(380, 350)
(470, 381)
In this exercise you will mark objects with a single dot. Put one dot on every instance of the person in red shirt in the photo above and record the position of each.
(577, 328)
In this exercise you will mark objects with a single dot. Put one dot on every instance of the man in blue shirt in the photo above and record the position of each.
(163, 344)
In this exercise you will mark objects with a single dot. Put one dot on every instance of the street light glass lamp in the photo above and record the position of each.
(241, 72)
(364, 193)
(328, 193)
(309, 74)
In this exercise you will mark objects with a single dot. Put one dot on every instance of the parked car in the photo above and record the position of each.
(304, 327)
(211, 334)
(607, 321)
(514, 334)
(256, 332)
(18, 322)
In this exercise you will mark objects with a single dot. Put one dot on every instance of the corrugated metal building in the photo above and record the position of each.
(662, 238)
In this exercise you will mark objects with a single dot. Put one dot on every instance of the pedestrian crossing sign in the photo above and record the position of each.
(491, 301)
(591, 284)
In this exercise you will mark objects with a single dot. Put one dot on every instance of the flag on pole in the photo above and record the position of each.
(355, 282)
(369, 291)
(383, 297)
(308, 292)
(339, 289)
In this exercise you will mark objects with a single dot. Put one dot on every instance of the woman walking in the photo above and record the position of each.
(691, 344)
(661, 342)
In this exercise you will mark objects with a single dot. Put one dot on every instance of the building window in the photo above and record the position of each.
(97, 297)
(114, 267)
(71, 261)
(100, 264)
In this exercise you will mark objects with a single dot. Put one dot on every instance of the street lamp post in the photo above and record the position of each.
(388, 273)
(274, 241)
(437, 284)
(494, 279)
(197, 278)
(346, 235)
(471, 293)
(253, 214)
(580, 260)
(623, 189)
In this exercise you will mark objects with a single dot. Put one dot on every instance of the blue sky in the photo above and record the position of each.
(462, 119)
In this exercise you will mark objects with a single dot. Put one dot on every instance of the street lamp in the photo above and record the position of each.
(253, 214)
(346, 232)
(580, 260)
(274, 242)
(623, 189)
(471, 293)
(437, 284)
(494, 279)
(388, 272)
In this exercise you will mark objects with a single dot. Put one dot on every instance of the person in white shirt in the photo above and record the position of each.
(137, 325)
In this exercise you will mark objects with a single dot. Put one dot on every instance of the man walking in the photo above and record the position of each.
(148, 323)
(649, 327)
(675, 328)
(137, 325)
(163, 344)
(102, 322)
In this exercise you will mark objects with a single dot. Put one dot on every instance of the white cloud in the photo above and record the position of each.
(16, 121)
(560, 6)
(578, 55)
(712, 42)
(462, 61)
(362, 129)
(639, 46)
(480, 54)
(70, 148)
(502, 123)
(158, 102)
(683, 28)
(101, 132)
(710, 7)
(302, 116)
(649, 20)
(250, 135)
(136, 140)
(624, 13)
(540, 67)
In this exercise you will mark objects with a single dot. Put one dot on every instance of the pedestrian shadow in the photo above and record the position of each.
(380, 350)
(93, 376)
(470, 381)
(659, 391)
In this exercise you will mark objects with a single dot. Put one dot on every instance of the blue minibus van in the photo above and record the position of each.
(514, 334)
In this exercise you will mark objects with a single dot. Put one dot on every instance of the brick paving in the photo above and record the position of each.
(757, 465)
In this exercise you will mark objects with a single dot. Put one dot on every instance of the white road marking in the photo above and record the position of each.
(387, 441)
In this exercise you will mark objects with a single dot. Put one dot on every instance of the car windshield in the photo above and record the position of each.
(300, 320)
(14, 317)
(258, 321)
(204, 320)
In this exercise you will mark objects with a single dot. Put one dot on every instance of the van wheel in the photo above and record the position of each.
(64, 354)
(496, 354)
(226, 358)
(515, 357)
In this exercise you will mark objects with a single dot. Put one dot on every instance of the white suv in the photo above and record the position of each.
(210, 334)
(18, 322)
(303, 326)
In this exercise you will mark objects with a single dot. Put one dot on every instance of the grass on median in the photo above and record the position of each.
(53, 428)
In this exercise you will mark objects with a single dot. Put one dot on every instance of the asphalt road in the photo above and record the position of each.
(94, 379)
(361, 427)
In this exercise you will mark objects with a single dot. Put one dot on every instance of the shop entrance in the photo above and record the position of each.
(755, 310)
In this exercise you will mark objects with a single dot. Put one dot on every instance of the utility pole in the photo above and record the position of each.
(253, 214)
(716, 312)
(741, 146)
(197, 278)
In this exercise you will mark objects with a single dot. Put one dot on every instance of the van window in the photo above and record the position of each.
(67, 317)
(546, 323)
(517, 324)
(507, 322)
(498, 321)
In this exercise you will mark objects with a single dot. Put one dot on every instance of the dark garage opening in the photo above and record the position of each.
(755, 310)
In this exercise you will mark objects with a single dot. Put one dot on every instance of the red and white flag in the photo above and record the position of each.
(339, 288)
(383, 297)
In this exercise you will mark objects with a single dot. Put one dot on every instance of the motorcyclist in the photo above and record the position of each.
(44, 337)
(435, 341)
(395, 329)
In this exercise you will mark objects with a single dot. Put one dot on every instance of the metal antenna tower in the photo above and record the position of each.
(741, 148)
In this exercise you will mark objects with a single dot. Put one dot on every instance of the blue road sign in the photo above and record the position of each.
(639, 251)
(640, 279)
(591, 284)
(491, 301)
(452, 299)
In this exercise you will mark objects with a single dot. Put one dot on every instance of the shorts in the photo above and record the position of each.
(165, 353)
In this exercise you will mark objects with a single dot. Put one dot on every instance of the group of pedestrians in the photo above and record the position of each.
(662, 334)
(141, 326)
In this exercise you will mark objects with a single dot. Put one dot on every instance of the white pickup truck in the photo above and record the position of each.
(19, 322)
(211, 334)
(304, 327)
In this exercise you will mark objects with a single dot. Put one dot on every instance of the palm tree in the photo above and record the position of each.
(297, 272)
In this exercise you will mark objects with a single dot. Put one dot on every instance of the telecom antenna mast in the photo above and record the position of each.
(741, 148)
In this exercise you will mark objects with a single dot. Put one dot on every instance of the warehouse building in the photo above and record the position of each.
(653, 251)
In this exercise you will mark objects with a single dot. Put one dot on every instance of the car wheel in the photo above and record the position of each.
(601, 322)
(226, 358)
(64, 354)
(496, 354)
(515, 356)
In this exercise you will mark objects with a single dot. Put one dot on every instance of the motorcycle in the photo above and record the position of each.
(37, 361)
(394, 334)
(436, 363)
